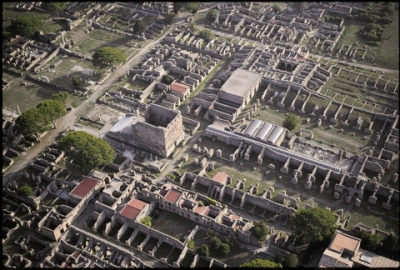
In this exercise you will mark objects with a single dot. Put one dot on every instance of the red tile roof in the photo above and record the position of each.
(84, 187)
(180, 87)
(342, 240)
(172, 195)
(220, 177)
(133, 208)
(202, 210)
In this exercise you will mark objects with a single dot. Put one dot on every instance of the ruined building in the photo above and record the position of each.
(159, 132)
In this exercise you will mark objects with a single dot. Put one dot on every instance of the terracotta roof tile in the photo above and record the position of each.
(172, 195)
(84, 187)
(133, 208)
(180, 87)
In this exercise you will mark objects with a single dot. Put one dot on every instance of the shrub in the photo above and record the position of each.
(203, 250)
(291, 261)
(225, 249)
(25, 191)
(291, 121)
(211, 201)
(167, 79)
(260, 230)
(146, 221)
(215, 242)
(191, 245)
(76, 81)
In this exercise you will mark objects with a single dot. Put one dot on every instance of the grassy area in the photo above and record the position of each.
(26, 96)
(139, 85)
(99, 38)
(172, 224)
(388, 54)
(10, 13)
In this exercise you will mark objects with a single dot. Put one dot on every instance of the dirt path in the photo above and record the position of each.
(70, 118)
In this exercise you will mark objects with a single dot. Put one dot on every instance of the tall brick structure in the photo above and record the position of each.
(161, 131)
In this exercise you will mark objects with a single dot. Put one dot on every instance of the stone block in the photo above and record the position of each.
(294, 180)
(386, 206)
(336, 195)
(372, 199)
(348, 199)
(308, 185)
(271, 166)
(358, 202)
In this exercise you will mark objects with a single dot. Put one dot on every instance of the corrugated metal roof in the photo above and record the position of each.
(264, 131)
(275, 134)
(254, 125)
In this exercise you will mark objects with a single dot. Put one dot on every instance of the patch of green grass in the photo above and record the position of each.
(10, 13)
(388, 54)
(99, 38)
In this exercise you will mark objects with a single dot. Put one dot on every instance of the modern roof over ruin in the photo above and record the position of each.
(240, 82)
(84, 187)
(180, 87)
(343, 241)
(133, 208)
(172, 195)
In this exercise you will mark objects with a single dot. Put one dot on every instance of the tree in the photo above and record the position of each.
(61, 96)
(108, 56)
(259, 263)
(212, 14)
(390, 247)
(25, 191)
(276, 8)
(139, 27)
(210, 233)
(87, 150)
(76, 81)
(299, 6)
(313, 224)
(146, 221)
(203, 250)
(54, 6)
(26, 26)
(206, 34)
(279, 258)
(291, 121)
(215, 242)
(224, 249)
(167, 79)
(369, 241)
(177, 6)
(291, 261)
(191, 6)
(169, 18)
(51, 110)
(260, 230)
(31, 121)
